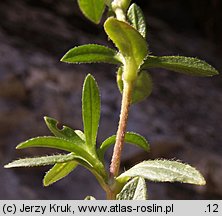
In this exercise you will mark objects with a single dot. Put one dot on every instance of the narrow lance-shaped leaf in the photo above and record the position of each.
(41, 161)
(92, 9)
(90, 110)
(65, 132)
(81, 155)
(164, 171)
(57, 143)
(59, 171)
(135, 189)
(91, 53)
(136, 18)
(181, 64)
(130, 137)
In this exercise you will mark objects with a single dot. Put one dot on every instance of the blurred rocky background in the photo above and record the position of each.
(182, 118)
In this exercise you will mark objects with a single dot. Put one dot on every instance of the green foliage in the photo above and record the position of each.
(53, 142)
(130, 137)
(41, 161)
(127, 30)
(136, 19)
(81, 145)
(135, 189)
(142, 87)
(65, 132)
(164, 171)
(90, 110)
(59, 171)
(181, 64)
(130, 43)
(91, 53)
(92, 9)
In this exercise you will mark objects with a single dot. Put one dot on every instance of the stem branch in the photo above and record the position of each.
(126, 99)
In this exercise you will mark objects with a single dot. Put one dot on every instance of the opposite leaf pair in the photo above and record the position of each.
(82, 146)
(133, 60)
(132, 57)
(83, 151)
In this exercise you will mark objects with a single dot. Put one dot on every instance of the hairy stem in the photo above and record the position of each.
(126, 99)
(110, 195)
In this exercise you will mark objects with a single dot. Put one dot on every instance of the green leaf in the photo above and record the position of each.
(90, 110)
(181, 64)
(127, 39)
(135, 189)
(164, 171)
(131, 44)
(41, 161)
(57, 143)
(87, 159)
(89, 198)
(59, 171)
(142, 87)
(120, 4)
(65, 132)
(136, 19)
(130, 137)
(81, 135)
(119, 79)
(91, 53)
(92, 9)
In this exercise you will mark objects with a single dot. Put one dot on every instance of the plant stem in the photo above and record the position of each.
(126, 100)
(120, 15)
(110, 195)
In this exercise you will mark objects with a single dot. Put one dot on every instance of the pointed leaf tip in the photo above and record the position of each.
(58, 172)
(66, 132)
(181, 64)
(130, 137)
(90, 110)
(136, 19)
(92, 9)
(41, 161)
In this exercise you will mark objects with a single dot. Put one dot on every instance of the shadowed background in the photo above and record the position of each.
(181, 119)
